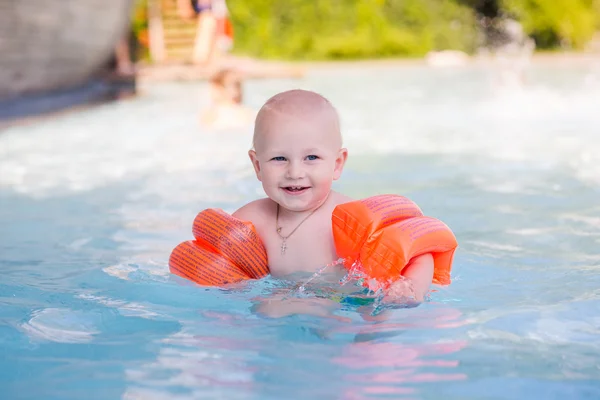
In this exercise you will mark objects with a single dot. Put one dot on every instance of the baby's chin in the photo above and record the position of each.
(295, 204)
(296, 207)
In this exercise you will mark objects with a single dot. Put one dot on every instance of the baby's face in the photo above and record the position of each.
(297, 158)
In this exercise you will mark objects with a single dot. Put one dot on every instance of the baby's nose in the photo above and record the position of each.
(295, 171)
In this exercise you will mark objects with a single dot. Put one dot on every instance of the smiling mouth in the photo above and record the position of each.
(295, 189)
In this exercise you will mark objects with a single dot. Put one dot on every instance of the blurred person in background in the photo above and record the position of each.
(214, 34)
(226, 95)
(123, 60)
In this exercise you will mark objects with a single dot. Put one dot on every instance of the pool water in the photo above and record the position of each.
(92, 202)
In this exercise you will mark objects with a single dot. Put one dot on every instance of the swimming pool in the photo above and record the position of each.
(92, 202)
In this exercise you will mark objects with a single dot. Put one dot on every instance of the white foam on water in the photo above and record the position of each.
(142, 262)
(544, 326)
(203, 373)
(61, 325)
(158, 134)
(494, 246)
(111, 144)
(125, 308)
(532, 231)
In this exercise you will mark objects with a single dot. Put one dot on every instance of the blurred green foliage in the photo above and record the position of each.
(349, 29)
(139, 17)
(552, 23)
(352, 29)
(139, 29)
(595, 6)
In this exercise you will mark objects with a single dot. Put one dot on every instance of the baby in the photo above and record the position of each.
(297, 154)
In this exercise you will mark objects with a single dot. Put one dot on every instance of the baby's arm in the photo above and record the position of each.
(418, 275)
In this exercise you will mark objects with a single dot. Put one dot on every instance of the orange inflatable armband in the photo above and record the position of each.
(353, 223)
(226, 250)
(382, 248)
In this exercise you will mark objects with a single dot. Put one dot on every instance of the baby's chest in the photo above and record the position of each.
(307, 249)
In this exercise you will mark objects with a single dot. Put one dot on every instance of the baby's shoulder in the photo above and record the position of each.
(257, 210)
(339, 198)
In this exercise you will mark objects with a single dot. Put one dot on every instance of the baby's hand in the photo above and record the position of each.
(401, 291)
(415, 281)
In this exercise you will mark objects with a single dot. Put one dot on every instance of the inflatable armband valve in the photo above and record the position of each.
(226, 250)
(383, 233)
(356, 221)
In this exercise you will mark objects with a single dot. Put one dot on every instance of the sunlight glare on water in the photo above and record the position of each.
(92, 202)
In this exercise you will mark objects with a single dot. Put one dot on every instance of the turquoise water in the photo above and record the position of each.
(92, 202)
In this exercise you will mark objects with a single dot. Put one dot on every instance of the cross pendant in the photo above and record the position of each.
(283, 247)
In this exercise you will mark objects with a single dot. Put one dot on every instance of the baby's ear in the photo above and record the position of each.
(340, 161)
(255, 163)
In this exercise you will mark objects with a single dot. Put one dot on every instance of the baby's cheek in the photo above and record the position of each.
(323, 181)
(269, 176)
(328, 179)
(325, 174)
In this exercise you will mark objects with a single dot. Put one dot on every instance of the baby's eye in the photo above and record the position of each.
(278, 158)
(312, 157)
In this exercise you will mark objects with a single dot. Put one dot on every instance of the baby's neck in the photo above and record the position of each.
(285, 213)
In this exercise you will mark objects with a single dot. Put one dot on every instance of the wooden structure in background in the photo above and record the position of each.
(171, 36)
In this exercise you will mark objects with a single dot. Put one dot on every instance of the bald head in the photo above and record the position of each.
(297, 106)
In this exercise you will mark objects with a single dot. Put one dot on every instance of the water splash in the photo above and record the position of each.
(387, 294)
(301, 287)
(376, 289)
(356, 273)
